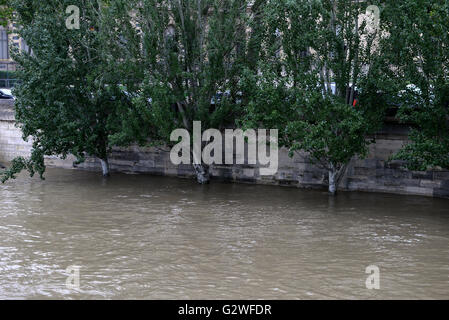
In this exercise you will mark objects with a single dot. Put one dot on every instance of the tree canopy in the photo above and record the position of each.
(5, 13)
(418, 48)
(69, 99)
(192, 54)
(320, 57)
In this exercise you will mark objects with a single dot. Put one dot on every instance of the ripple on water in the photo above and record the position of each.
(153, 237)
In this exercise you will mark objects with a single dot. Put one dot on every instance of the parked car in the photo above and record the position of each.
(5, 94)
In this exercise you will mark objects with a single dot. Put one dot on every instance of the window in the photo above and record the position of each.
(4, 50)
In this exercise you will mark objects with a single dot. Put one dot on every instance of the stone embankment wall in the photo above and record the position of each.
(373, 174)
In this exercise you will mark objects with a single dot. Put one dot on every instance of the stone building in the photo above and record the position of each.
(9, 39)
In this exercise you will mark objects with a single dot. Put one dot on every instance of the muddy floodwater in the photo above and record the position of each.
(146, 237)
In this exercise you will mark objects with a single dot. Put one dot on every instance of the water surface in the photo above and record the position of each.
(146, 237)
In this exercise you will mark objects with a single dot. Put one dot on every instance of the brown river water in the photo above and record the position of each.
(146, 237)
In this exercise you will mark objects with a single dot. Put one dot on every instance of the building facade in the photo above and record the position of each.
(9, 39)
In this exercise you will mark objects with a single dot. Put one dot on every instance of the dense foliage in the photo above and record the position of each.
(5, 13)
(321, 55)
(69, 99)
(192, 54)
(418, 48)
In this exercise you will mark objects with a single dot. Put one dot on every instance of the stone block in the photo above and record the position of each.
(364, 171)
(395, 164)
(427, 175)
(430, 184)
(249, 173)
(419, 191)
(441, 175)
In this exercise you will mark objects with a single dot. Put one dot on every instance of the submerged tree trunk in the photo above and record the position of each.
(333, 180)
(201, 170)
(336, 174)
(202, 173)
(105, 167)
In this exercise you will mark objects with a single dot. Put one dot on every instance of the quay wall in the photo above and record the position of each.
(373, 174)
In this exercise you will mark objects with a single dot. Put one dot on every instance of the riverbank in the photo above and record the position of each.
(373, 174)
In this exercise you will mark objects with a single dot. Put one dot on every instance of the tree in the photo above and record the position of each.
(5, 13)
(418, 49)
(323, 53)
(191, 54)
(69, 99)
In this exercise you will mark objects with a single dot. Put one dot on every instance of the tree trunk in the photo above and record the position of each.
(333, 180)
(202, 173)
(105, 167)
(201, 170)
(336, 173)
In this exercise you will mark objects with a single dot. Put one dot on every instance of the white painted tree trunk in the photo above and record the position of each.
(202, 173)
(336, 173)
(105, 167)
(201, 170)
(333, 172)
